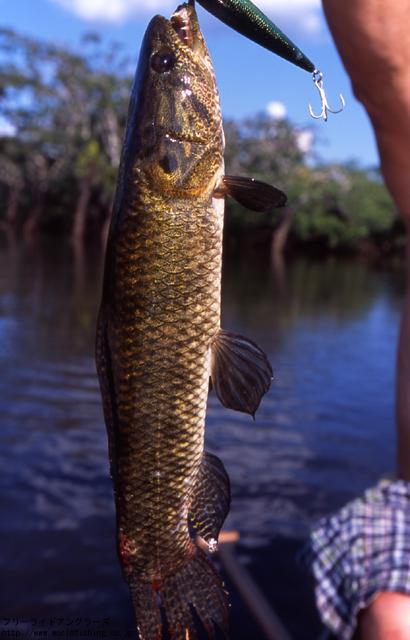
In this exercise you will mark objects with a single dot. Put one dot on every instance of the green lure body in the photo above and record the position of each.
(247, 19)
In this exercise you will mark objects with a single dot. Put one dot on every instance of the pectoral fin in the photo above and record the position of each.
(211, 499)
(240, 371)
(250, 193)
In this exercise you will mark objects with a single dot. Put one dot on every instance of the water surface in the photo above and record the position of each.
(323, 433)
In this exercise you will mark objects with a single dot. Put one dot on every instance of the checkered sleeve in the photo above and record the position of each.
(360, 551)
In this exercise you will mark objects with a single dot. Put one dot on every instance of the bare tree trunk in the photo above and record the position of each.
(104, 231)
(80, 215)
(79, 266)
(106, 225)
(280, 234)
(12, 208)
(30, 225)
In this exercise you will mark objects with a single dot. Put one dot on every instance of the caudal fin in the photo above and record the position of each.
(193, 586)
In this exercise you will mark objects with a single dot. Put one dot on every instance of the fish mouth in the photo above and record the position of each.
(183, 32)
(185, 25)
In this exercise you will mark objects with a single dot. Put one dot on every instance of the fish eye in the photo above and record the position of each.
(163, 61)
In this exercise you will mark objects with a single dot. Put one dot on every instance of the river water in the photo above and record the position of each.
(324, 432)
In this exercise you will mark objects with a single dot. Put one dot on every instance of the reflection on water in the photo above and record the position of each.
(323, 433)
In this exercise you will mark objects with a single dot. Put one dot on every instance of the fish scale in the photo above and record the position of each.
(168, 369)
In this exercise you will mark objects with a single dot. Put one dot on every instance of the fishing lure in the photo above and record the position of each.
(246, 18)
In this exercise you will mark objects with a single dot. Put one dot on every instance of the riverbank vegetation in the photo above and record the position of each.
(62, 116)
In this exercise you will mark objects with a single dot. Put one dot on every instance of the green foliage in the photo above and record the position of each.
(347, 205)
(66, 111)
(336, 206)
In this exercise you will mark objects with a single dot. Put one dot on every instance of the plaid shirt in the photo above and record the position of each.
(360, 551)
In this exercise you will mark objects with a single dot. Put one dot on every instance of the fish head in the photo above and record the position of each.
(174, 124)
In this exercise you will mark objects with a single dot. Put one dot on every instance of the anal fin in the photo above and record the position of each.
(211, 499)
(240, 372)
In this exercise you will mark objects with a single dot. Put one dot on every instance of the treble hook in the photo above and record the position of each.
(318, 82)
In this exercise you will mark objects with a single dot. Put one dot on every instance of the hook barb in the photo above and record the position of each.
(318, 82)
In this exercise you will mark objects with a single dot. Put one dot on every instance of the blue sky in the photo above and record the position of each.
(249, 77)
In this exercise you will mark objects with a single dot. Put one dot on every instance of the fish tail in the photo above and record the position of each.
(194, 590)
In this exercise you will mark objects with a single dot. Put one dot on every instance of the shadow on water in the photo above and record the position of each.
(322, 434)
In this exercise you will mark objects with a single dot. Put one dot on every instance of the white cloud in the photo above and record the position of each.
(276, 110)
(301, 14)
(293, 4)
(304, 141)
(7, 129)
(114, 10)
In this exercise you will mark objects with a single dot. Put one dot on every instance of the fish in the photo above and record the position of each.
(159, 343)
(247, 19)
